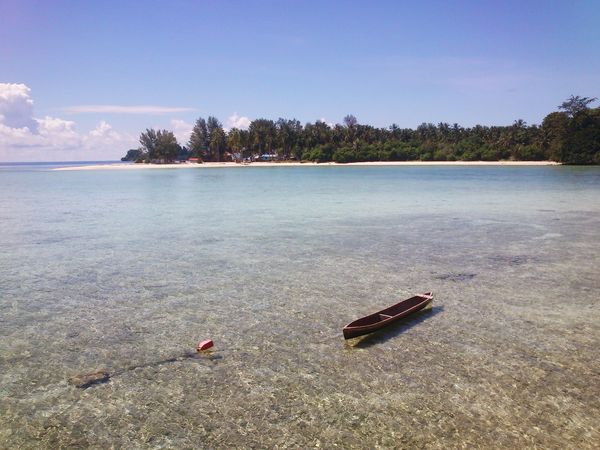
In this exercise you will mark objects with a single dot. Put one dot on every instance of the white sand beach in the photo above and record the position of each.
(208, 165)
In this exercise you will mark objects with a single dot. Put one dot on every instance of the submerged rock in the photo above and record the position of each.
(516, 260)
(86, 380)
(456, 276)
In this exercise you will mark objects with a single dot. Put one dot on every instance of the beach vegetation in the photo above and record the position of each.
(159, 146)
(570, 136)
(216, 139)
(198, 143)
(576, 104)
(262, 136)
(582, 139)
(134, 154)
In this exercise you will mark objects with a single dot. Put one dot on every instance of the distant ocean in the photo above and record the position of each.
(125, 271)
(50, 165)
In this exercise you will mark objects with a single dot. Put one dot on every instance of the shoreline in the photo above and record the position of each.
(209, 165)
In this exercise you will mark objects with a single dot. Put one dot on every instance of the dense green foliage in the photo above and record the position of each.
(159, 146)
(134, 154)
(208, 139)
(571, 136)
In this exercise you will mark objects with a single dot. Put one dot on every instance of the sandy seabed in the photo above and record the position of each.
(125, 274)
(130, 166)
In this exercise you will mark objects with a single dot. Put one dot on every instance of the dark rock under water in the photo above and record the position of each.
(456, 276)
(85, 380)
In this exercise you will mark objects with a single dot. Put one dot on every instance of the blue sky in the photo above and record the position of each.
(95, 70)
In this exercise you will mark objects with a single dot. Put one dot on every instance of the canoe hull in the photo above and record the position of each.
(387, 316)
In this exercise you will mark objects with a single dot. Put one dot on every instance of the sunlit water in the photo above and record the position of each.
(127, 270)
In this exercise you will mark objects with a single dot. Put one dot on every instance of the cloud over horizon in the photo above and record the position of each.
(24, 137)
(182, 130)
(124, 109)
(16, 106)
(237, 121)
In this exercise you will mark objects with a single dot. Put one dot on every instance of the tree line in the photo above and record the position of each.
(570, 135)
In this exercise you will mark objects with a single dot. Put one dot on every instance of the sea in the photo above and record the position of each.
(125, 271)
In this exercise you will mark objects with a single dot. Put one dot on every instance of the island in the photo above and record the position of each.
(568, 136)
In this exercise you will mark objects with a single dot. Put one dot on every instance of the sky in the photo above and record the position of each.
(80, 80)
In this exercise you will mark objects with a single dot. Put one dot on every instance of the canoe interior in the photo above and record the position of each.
(390, 312)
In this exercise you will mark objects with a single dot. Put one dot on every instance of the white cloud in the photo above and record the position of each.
(121, 109)
(26, 138)
(16, 107)
(236, 121)
(182, 130)
(103, 134)
(103, 129)
(329, 124)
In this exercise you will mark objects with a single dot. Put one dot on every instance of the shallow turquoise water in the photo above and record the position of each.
(127, 270)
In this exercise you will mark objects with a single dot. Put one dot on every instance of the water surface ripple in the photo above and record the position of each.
(125, 271)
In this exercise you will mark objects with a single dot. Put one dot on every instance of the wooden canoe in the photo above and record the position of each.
(387, 316)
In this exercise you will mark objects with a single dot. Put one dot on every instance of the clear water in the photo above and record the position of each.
(127, 270)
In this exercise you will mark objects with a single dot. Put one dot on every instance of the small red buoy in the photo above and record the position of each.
(204, 345)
